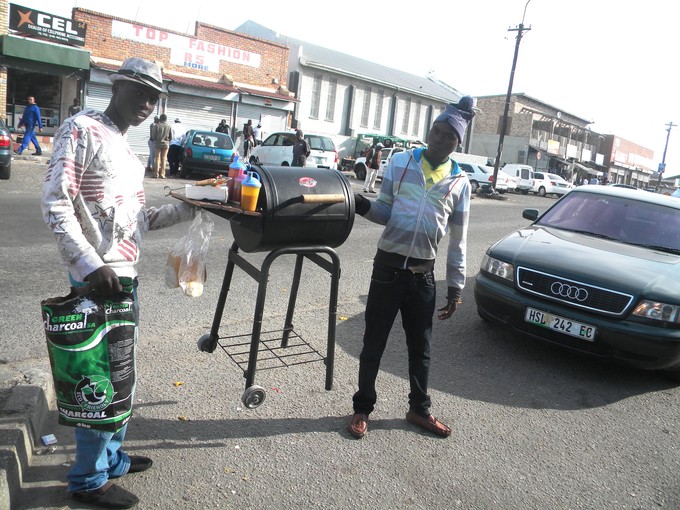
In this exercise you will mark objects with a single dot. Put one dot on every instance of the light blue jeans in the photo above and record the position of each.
(98, 453)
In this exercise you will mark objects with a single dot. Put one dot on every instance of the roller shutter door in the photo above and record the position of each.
(198, 112)
(98, 97)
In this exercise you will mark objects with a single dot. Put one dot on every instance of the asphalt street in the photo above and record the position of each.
(533, 427)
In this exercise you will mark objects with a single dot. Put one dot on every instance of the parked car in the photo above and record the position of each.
(550, 184)
(5, 152)
(206, 152)
(596, 273)
(524, 175)
(621, 185)
(361, 168)
(277, 149)
(482, 175)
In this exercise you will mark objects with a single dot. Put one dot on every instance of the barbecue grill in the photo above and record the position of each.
(305, 212)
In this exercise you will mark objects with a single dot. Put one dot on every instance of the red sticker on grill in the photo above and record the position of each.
(307, 182)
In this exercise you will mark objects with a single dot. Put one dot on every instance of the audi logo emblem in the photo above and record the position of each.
(569, 291)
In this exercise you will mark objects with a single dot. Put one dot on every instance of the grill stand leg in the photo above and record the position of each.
(288, 326)
(262, 277)
(211, 342)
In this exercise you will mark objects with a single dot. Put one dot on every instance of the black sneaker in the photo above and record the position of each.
(107, 496)
(37, 153)
(139, 463)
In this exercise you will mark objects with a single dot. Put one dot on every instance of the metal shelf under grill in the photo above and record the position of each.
(271, 353)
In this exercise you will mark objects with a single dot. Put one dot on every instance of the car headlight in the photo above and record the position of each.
(658, 311)
(498, 267)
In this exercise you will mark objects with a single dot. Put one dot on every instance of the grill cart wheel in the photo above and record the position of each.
(207, 343)
(253, 396)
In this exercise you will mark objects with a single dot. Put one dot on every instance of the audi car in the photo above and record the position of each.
(598, 273)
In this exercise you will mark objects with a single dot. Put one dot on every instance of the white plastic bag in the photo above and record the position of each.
(186, 264)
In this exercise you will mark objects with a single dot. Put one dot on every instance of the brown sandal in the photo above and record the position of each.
(429, 423)
(358, 425)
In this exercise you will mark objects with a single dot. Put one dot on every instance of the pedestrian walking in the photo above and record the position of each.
(30, 120)
(257, 134)
(222, 127)
(175, 149)
(372, 167)
(151, 161)
(300, 149)
(248, 139)
(74, 108)
(161, 139)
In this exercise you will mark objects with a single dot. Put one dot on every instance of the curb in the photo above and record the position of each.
(23, 411)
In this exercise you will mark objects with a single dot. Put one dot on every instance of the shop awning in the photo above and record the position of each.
(587, 169)
(38, 56)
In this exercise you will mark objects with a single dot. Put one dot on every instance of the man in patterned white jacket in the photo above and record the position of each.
(93, 201)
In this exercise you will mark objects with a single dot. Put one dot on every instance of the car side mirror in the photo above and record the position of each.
(530, 214)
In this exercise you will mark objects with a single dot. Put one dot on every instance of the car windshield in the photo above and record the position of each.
(216, 140)
(555, 177)
(322, 143)
(280, 140)
(623, 219)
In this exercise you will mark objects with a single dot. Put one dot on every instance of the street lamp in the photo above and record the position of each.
(504, 123)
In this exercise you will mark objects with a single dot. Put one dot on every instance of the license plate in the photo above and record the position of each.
(320, 161)
(212, 157)
(560, 324)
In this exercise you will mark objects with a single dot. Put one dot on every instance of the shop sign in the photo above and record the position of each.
(40, 24)
(186, 51)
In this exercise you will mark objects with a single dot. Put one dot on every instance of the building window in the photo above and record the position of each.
(316, 97)
(416, 119)
(407, 116)
(366, 107)
(377, 120)
(330, 105)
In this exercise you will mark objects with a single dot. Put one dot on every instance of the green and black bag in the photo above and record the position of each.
(91, 344)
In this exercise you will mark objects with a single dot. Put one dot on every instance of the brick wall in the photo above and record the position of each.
(4, 29)
(274, 56)
(100, 42)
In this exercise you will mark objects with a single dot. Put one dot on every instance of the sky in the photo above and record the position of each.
(612, 62)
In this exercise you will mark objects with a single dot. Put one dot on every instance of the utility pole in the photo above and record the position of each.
(504, 123)
(662, 166)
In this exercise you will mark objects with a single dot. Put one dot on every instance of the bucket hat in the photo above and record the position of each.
(141, 71)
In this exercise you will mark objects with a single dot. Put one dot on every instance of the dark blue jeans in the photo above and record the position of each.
(391, 291)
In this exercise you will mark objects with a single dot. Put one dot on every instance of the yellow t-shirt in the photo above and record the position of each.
(434, 175)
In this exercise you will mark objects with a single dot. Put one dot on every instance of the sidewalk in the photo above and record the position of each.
(25, 393)
(27, 155)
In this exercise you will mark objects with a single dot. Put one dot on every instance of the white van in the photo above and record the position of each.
(524, 175)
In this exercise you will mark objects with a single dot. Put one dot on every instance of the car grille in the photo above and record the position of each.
(573, 293)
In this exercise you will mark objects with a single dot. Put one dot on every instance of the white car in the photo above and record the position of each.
(277, 149)
(550, 184)
(482, 175)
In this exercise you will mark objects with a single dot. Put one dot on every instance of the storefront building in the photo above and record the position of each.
(211, 75)
(41, 55)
